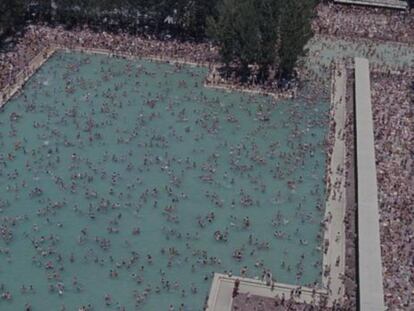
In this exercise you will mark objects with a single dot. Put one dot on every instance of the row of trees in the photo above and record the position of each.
(270, 34)
(185, 19)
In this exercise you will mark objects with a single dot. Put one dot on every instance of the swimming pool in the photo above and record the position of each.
(127, 183)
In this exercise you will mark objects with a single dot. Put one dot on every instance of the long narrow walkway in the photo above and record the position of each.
(371, 292)
(334, 257)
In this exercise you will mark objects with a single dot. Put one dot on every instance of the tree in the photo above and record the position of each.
(11, 16)
(295, 31)
(179, 18)
(40, 10)
(193, 17)
(268, 12)
(245, 31)
(266, 33)
(222, 29)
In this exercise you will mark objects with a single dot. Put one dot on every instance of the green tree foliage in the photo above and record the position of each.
(41, 10)
(12, 14)
(245, 31)
(269, 34)
(94, 13)
(193, 16)
(266, 33)
(185, 18)
(179, 18)
(295, 31)
(268, 19)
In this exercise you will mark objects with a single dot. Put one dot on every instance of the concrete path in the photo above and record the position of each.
(371, 291)
(220, 298)
(25, 75)
(334, 253)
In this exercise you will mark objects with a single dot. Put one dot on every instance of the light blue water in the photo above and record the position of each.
(95, 147)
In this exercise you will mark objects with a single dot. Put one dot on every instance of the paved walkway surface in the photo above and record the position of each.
(247, 302)
(334, 246)
(371, 292)
(25, 75)
(220, 298)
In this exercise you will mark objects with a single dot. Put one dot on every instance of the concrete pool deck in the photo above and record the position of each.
(9, 91)
(334, 258)
(220, 297)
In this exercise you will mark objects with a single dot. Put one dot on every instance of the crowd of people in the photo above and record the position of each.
(392, 102)
(249, 302)
(350, 22)
(37, 38)
(392, 99)
(108, 104)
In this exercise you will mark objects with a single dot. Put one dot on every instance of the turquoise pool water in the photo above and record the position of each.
(127, 184)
